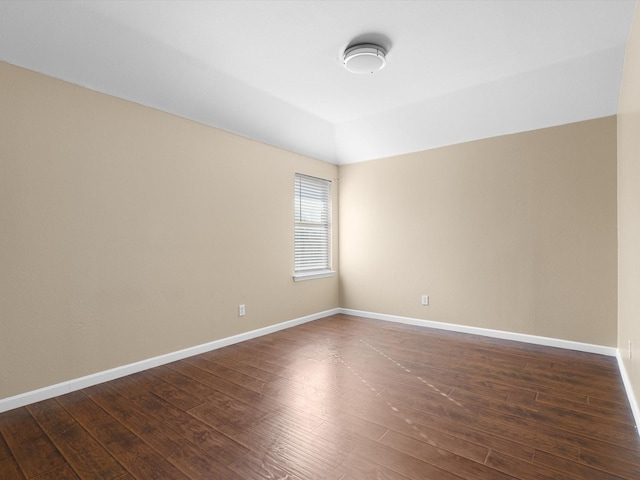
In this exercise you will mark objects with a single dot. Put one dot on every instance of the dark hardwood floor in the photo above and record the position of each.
(339, 398)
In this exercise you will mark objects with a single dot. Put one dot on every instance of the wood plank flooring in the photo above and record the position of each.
(340, 398)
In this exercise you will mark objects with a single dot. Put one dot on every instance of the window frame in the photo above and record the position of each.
(318, 190)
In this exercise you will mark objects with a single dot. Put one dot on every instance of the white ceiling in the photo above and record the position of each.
(271, 70)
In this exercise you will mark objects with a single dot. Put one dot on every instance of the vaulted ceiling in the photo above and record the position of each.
(272, 70)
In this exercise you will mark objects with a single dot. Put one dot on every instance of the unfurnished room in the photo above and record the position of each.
(320, 239)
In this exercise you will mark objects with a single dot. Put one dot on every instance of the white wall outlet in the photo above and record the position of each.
(241, 310)
(425, 300)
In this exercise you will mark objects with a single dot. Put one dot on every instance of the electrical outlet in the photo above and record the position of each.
(425, 300)
(241, 310)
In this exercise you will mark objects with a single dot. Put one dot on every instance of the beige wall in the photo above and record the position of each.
(127, 233)
(515, 233)
(629, 209)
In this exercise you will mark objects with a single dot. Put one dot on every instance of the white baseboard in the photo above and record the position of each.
(62, 388)
(517, 337)
(629, 389)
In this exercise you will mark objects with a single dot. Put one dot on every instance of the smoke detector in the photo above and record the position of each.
(364, 58)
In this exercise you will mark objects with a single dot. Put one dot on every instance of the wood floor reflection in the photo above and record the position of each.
(339, 398)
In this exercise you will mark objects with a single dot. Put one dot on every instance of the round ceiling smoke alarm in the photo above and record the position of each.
(364, 58)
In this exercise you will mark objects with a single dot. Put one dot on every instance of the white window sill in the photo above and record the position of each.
(298, 277)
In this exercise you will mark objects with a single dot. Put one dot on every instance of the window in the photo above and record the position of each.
(312, 228)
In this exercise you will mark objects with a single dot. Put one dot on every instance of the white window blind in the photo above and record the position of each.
(312, 227)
